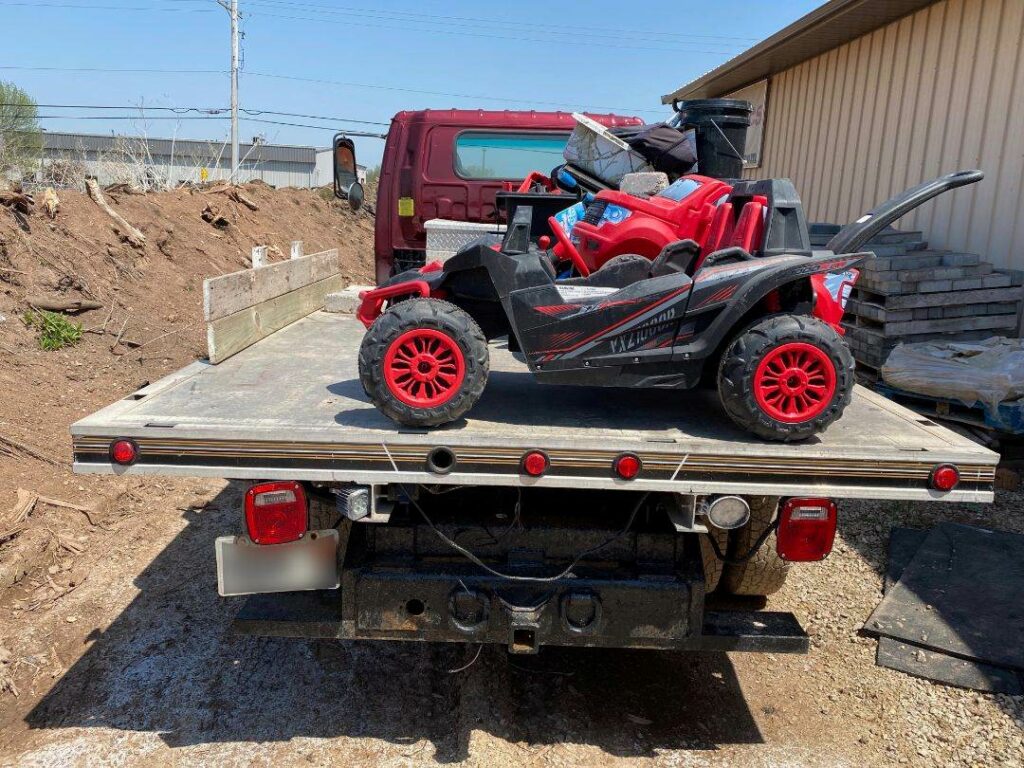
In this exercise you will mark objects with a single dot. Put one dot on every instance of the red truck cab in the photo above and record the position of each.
(450, 163)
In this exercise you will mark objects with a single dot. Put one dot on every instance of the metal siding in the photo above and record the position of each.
(279, 166)
(179, 147)
(930, 93)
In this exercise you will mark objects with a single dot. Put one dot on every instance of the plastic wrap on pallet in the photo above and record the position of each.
(989, 371)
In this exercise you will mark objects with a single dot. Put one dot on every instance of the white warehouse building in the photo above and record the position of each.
(112, 159)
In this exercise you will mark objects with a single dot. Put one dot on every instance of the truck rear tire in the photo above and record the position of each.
(424, 362)
(786, 377)
(765, 572)
(713, 567)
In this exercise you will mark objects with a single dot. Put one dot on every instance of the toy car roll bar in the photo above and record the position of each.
(852, 237)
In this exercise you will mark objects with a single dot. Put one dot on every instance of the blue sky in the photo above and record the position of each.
(374, 58)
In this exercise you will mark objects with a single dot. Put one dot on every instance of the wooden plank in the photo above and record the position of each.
(230, 335)
(228, 294)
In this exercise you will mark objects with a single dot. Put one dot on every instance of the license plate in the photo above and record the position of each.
(244, 568)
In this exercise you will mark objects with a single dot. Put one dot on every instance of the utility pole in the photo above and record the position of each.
(233, 10)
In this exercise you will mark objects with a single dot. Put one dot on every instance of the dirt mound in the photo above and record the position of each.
(147, 321)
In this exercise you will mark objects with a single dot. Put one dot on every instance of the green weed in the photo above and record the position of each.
(55, 330)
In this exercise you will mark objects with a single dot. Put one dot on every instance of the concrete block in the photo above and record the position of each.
(962, 260)
(889, 263)
(346, 301)
(933, 273)
(936, 286)
(997, 281)
(643, 184)
(897, 249)
(894, 236)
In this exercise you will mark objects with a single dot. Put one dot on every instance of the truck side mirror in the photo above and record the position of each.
(346, 181)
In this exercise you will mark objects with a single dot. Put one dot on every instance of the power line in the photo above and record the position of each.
(478, 97)
(178, 118)
(442, 24)
(334, 129)
(129, 70)
(485, 35)
(104, 7)
(576, 29)
(339, 83)
(141, 107)
(314, 117)
(207, 110)
(141, 119)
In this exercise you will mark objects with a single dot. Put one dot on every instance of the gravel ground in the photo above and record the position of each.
(137, 666)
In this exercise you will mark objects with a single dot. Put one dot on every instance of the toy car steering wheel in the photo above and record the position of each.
(568, 247)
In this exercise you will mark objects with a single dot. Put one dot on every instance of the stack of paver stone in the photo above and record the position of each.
(911, 293)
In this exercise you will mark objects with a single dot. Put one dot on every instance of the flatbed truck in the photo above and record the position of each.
(455, 534)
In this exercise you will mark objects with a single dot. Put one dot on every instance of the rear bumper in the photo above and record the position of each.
(446, 606)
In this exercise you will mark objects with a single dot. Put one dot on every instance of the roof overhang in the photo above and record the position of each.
(827, 27)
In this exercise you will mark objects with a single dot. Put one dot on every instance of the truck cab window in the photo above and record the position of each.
(506, 155)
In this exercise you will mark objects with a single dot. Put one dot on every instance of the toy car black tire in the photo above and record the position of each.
(424, 362)
(786, 377)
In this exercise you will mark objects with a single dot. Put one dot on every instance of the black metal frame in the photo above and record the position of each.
(403, 582)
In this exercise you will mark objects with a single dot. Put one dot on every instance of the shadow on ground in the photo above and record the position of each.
(169, 665)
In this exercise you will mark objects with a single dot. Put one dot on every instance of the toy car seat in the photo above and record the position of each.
(766, 218)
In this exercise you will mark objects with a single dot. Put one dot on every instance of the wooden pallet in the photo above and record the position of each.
(1007, 417)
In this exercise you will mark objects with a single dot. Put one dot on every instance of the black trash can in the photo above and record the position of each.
(720, 126)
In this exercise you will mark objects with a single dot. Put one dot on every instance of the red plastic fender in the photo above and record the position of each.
(372, 302)
(831, 290)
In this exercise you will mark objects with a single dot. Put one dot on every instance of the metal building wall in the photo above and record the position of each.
(181, 160)
(937, 91)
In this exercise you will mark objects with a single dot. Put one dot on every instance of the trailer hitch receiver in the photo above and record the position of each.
(524, 622)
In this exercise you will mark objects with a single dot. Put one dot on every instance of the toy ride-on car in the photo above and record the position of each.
(763, 324)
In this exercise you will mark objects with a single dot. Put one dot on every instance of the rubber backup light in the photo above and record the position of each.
(535, 463)
(807, 528)
(728, 512)
(627, 466)
(945, 477)
(276, 513)
(124, 452)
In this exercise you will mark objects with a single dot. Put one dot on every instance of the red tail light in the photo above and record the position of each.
(627, 466)
(535, 463)
(945, 477)
(124, 452)
(275, 513)
(807, 528)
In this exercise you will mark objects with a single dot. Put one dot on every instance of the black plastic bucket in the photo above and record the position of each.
(720, 126)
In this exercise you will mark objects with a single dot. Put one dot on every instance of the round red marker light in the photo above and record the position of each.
(535, 463)
(124, 452)
(945, 477)
(543, 242)
(627, 466)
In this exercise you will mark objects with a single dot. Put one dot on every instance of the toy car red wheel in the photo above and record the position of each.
(786, 377)
(795, 382)
(424, 367)
(424, 362)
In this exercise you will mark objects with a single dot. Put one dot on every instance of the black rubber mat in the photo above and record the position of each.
(903, 545)
(943, 668)
(954, 607)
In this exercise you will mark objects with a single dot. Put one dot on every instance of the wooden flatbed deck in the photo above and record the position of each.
(291, 407)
